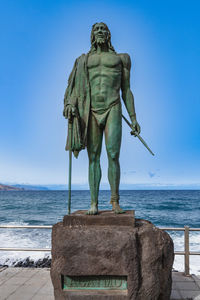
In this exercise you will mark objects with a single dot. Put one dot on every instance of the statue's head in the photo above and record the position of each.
(100, 34)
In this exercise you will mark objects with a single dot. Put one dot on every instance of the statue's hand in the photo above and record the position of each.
(135, 128)
(69, 112)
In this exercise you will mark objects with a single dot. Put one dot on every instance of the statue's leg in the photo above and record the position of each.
(94, 144)
(113, 132)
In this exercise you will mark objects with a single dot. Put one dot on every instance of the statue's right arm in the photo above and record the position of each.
(70, 109)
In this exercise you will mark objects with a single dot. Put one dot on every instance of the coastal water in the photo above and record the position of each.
(163, 208)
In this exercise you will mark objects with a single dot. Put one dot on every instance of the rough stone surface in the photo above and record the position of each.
(143, 253)
(104, 218)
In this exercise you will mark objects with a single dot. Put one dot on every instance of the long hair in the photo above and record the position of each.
(93, 42)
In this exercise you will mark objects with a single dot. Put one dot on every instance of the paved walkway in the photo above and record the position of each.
(25, 284)
(185, 287)
(35, 284)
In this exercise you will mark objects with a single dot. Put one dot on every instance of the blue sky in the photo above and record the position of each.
(40, 41)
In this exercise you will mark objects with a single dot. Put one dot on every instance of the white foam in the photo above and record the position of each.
(194, 240)
(23, 238)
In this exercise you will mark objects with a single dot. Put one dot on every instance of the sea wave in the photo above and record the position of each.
(23, 238)
(194, 241)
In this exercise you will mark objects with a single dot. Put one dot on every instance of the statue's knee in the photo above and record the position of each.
(113, 155)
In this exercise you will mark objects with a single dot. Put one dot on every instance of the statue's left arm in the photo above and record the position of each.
(127, 95)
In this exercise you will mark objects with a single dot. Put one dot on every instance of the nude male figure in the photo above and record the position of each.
(108, 72)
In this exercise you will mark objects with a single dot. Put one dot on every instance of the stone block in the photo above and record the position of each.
(110, 256)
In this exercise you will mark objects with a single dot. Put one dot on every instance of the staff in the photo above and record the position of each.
(136, 134)
(70, 165)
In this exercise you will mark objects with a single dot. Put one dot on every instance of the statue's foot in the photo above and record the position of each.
(117, 209)
(93, 210)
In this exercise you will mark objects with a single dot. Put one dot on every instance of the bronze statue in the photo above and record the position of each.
(92, 105)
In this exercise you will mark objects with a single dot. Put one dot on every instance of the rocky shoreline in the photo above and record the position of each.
(30, 263)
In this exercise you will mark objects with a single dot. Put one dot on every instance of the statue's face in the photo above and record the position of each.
(100, 33)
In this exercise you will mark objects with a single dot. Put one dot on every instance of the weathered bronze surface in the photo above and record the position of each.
(92, 104)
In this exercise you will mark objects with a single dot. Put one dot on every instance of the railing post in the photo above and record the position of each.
(187, 251)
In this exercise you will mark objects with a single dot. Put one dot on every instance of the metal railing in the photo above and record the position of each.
(186, 251)
(27, 227)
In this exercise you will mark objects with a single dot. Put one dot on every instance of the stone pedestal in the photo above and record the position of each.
(110, 257)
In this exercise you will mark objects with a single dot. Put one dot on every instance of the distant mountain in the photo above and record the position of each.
(4, 187)
(104, 186)
(31, 187)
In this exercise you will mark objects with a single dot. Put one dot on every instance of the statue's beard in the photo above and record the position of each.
(101, 40)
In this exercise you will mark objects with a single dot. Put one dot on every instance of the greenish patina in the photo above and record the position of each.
(101, 282)
(92, 104)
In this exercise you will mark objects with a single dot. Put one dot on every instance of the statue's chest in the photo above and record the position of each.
(104, 60)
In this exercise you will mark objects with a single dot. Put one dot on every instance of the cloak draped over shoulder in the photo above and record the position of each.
(78, 95)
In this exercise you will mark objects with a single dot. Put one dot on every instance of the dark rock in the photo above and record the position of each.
(142, 252)
(27, 263)
(4, 266)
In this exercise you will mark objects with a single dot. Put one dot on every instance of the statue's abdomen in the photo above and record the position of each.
(105, 80)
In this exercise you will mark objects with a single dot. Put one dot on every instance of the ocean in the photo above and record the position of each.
(167, 208)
